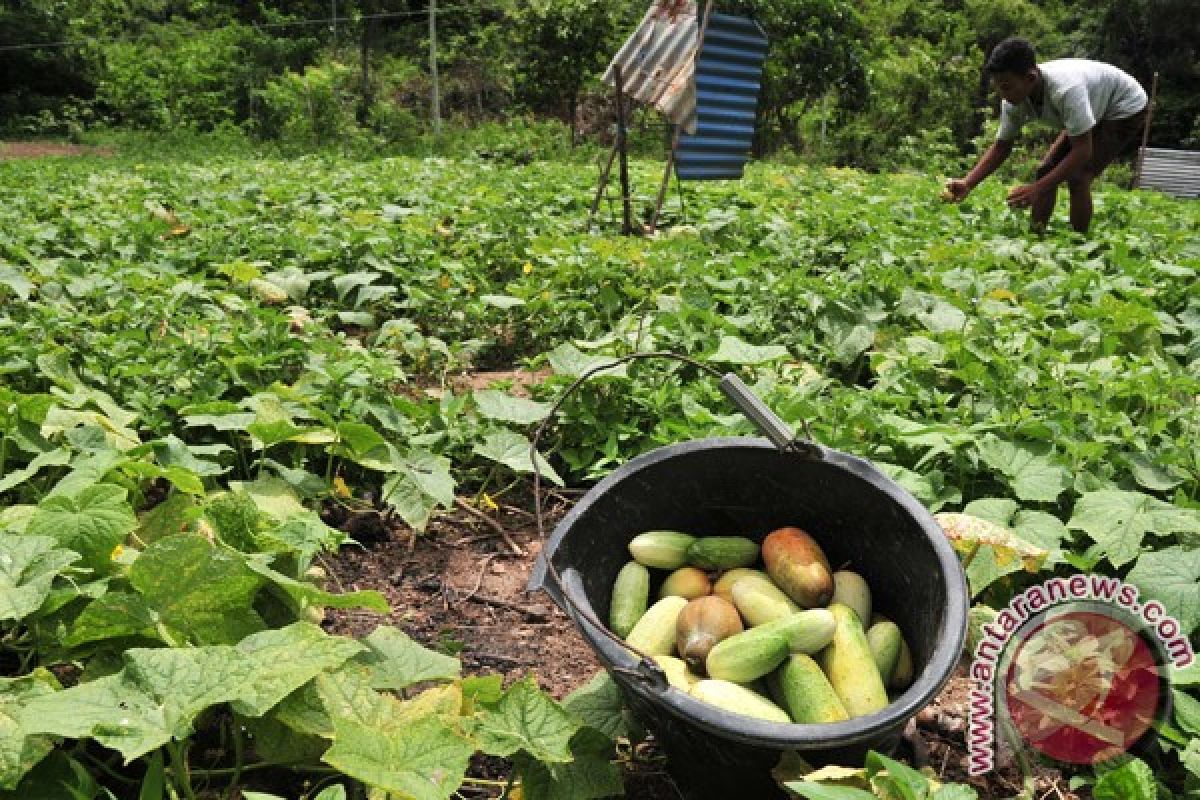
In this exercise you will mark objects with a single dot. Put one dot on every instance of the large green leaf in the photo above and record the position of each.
(198, 590)
(505, 407)
(512, 450)
(115, 615)
(20, 748)
(16, 477)
(526, 719)
(733, 350)
(599, 704)
(307, 595)
(28, 567)
(113, 710)
(1131, 781)
(92, 524)
(590, 773)
(1187, 711)
(425, 761)
(569, 360)
(422, 483)
(283, 660)
(1118, 521)
(1171, 576)
(303, 536)
(273, 496)
(1030, 468)
(396, 661)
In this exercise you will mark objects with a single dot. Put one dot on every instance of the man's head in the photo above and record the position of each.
(1012, 68)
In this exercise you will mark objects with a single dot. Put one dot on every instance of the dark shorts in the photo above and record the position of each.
(1111, 138)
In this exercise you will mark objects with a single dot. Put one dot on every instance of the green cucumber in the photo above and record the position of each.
(760, 601)
(806, 631)
(746, 656)
(806, 692)
(884, 640)
(722, 552)
(851, 589)
(630, 595)
(661, 549)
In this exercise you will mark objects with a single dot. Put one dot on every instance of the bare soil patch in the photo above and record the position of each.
(15, 150)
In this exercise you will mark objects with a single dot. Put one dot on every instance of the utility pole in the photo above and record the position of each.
(333, 21)
(436, 99)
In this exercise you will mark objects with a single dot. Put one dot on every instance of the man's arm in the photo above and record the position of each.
(1076, 160)
(959, 188)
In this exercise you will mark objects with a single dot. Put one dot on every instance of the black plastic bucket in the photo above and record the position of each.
(862, 519)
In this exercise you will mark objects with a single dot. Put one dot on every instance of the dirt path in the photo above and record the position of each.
(15, 150)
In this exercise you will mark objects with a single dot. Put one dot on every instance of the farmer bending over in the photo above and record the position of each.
(1100, 108)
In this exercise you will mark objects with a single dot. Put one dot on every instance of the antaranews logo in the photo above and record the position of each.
(1075, 668)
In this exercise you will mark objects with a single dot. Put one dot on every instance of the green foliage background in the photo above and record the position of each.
(877, 84)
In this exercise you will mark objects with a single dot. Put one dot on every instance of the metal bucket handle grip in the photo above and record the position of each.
(648, 672)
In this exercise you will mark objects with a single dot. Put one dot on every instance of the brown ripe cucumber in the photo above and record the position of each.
(630, 594)
(806, 692)
(850, 667)
(798, 566)
(703, 623)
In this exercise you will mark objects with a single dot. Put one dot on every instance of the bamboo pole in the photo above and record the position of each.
(1141, 159)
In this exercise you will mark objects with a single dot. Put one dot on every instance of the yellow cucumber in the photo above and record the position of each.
(884, 640)
(661, 549)
(902, 675)
(722, 552)
(654, 633)
(746, 656)
(759, 600)
(851, 589)
(686, 582)
(806, 692)
(678, 675)
(850, 667)
(806, 631)
(630, 594)
(738, 700)
(723, 587)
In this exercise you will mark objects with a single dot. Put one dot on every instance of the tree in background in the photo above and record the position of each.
(816, 47)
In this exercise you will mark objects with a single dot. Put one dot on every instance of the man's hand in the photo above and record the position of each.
(955, 190)
(1023, 196)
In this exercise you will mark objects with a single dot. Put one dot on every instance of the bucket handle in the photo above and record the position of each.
(648, 672)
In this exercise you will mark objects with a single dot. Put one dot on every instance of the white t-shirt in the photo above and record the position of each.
(1077, 94)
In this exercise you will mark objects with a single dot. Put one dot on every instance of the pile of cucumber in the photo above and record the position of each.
(797, 642)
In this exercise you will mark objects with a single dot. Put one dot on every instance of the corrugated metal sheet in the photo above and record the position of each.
(657, 61)
(1175, 172)
(728, 76)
